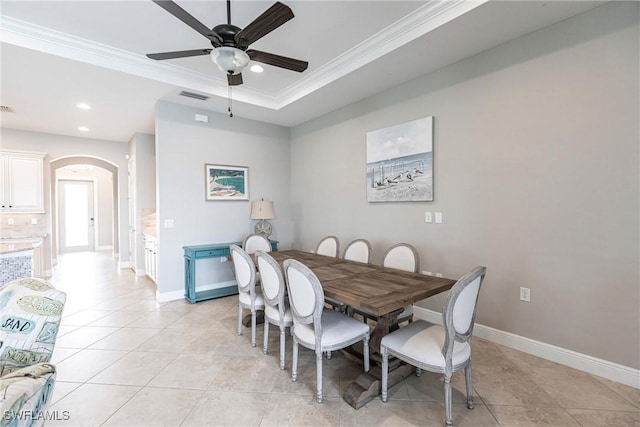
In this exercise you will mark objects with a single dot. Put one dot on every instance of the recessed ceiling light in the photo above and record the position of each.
(256, 68)
(83, 106)
(83, 129)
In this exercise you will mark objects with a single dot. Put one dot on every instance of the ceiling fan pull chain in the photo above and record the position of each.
(230, 113)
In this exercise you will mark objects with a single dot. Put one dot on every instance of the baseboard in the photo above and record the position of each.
(169, 296)
(573, 359)
(104, 248)
(124, 264)
(176, 295)
(140, 272)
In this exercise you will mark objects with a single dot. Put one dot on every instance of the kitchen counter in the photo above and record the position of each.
(9, 248)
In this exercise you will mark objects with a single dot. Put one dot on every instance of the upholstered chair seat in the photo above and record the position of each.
(337, 329)
(441, 349)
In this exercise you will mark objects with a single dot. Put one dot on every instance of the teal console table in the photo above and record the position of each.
(194, 253)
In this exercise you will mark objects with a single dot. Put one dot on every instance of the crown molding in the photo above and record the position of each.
(408, 28)
(35, 37)
(416, 24)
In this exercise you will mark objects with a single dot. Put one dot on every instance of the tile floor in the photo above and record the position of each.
(125, 360)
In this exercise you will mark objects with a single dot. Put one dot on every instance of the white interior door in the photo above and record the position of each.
(76, 228)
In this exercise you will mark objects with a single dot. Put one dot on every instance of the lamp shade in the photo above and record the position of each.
(262, 209)
(230, 59)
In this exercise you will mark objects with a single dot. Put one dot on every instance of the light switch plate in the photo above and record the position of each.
(10, 221)
(34, 221)
(438, 217)
(168, 223)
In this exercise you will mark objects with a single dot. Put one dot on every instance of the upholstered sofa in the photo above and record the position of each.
(30, 313)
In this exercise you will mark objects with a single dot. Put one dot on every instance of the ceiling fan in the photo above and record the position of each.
(230, 43)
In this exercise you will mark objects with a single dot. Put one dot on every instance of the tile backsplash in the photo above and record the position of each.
(21, 225)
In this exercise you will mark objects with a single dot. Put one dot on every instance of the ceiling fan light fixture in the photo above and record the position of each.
(230, 59)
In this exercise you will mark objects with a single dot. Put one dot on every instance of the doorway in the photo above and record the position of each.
(76, 225)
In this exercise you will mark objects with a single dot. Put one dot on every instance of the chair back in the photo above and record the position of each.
(272, 280)
(306, 297)
(460, 309)
(256, 242)
(329, 246)
(358, 250)
(31, 310)
(245, 270)
(402, 256)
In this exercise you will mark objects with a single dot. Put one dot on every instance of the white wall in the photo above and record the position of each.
(183, 147)
(61, 146)
(536, 172)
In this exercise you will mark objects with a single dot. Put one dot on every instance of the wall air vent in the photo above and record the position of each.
(5, 109)
(194, 95)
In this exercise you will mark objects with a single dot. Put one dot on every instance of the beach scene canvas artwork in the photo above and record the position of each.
(400, 162)
(227, 182)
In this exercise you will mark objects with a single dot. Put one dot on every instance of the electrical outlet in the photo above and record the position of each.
(525, 294)
(10, 221)
(224, 259)
(427, 217)
(428, 273)
(438, 274)
(34, 221)
(168, 223)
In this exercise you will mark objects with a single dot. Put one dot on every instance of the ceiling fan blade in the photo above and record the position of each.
(234, 79)
(270, 19)
(178, 54)
(277, 60)
(185, 17)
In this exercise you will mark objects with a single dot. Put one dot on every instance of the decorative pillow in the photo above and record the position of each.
(26, 395)
(30, 313)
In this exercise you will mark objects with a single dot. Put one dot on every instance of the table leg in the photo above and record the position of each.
(368, 384)
(246, 319)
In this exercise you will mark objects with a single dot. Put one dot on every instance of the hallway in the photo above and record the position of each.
(125, 360)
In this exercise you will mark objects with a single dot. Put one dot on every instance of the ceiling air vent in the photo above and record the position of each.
(194, 95)
(5, 109)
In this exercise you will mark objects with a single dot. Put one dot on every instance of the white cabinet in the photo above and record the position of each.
(150, 257)
(21, 181)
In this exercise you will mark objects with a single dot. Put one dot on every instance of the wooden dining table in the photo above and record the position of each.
(381, 293)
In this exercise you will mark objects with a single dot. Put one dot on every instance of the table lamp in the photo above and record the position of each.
(262, 210)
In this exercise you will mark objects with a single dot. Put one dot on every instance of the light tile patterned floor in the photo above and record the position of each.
(125, 360)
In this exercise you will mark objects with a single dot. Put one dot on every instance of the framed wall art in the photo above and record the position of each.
(224, 182)
(400, 162)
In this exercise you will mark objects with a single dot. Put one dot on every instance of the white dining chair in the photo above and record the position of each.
(315, 328)
(276, 310)
(442, 349)
(256, 242)
(329, 246)
(249, 296)
(358, 250)
(403, 256)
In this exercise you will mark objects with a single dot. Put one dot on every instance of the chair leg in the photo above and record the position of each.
(469, 382)
(319, 376)
(385, 373)
(265, 340)
(239, 320)
(447, 399)
(365, 347)
(253, 327)
(294, 361)
(282, 350)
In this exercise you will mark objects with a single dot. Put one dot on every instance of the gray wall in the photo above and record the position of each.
(536, 173)
(142, 148)
(183, 147)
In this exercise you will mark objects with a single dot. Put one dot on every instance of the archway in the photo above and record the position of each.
(84, 160)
